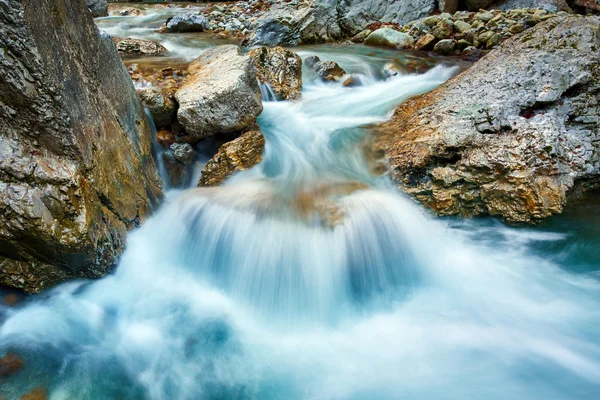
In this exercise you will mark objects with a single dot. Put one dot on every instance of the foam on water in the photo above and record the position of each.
(309, 278)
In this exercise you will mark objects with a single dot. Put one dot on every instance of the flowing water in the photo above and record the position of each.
(309, 277)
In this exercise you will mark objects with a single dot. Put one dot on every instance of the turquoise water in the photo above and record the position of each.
(308, 277)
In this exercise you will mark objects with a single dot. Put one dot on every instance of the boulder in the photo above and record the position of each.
(445, 47)
(425, 42)
(313, 21)
(190, 22)
(355, 15)
(220, 93)
(279, 68)
(139, 47)
(184, 153)
(328, 71)
(589, 4)
(475, 5)
(98, 8)
(512, 135)
(387, 37)
(162, 108)
(76, 166)
(239, 154)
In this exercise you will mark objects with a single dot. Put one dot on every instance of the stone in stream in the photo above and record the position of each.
(387, 37)
(39, 393)
(281, 69)
(511, 136)
(239, 154)
(190, 22)
(220, 94)
(76, 166)
(445, 47)
(136, 47)
(328, 71)
(184, 153)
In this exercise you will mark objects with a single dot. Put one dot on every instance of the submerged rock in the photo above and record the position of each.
(220, 94)
(512, 135)
(129, 46)
(38, 393)
(10, 364)
(76, 167)
(239, 154)
(281, 69)
(190, 22)
(388, 37)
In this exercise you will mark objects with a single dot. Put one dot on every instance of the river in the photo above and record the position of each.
(311, 277)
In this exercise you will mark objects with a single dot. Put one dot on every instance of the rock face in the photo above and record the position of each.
(281, 69)
(355, 15)
(98, 8)
(510, 136)
(220, 94)
(190, 22)
(318, 21)
(76, 169)
(239, 154)
(139, 47)
(387, 37)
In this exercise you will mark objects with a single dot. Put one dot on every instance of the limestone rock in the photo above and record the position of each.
(425, 42)
(239, 154)
(445, 47)
(76, 166)
(388, 37)
(512, 135)
(281, 69)
(190, 22)
(220, 93)
(137, 47)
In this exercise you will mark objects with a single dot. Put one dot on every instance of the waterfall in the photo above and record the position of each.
(307, 277)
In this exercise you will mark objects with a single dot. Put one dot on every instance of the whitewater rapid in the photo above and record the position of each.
(308, 277)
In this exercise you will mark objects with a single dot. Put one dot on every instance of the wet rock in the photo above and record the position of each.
(474, 5)
(549, 5)
(165, 138)
(445, 47)
(190, 22)
(328, 71)
(281, 69)
(425, 42)
(361, 36)
(139, 47)
(184, 153)
(239, 154)
(76, 166)
(387, 37)
(589, 4)
(10, 364)
(162, 108)
(176, 170)
(98, 8)
(481, 144)
(443, 29)
(220, 93)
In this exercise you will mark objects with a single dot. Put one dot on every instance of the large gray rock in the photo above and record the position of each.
(281, 69)
(512, 135)
(76, 170)
(314, 21)
(355, 15)
(98, 8)
(220, 94)
(190, 22)
(319, 21)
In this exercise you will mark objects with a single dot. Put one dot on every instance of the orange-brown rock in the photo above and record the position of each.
(510, 136)
(10, 364)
